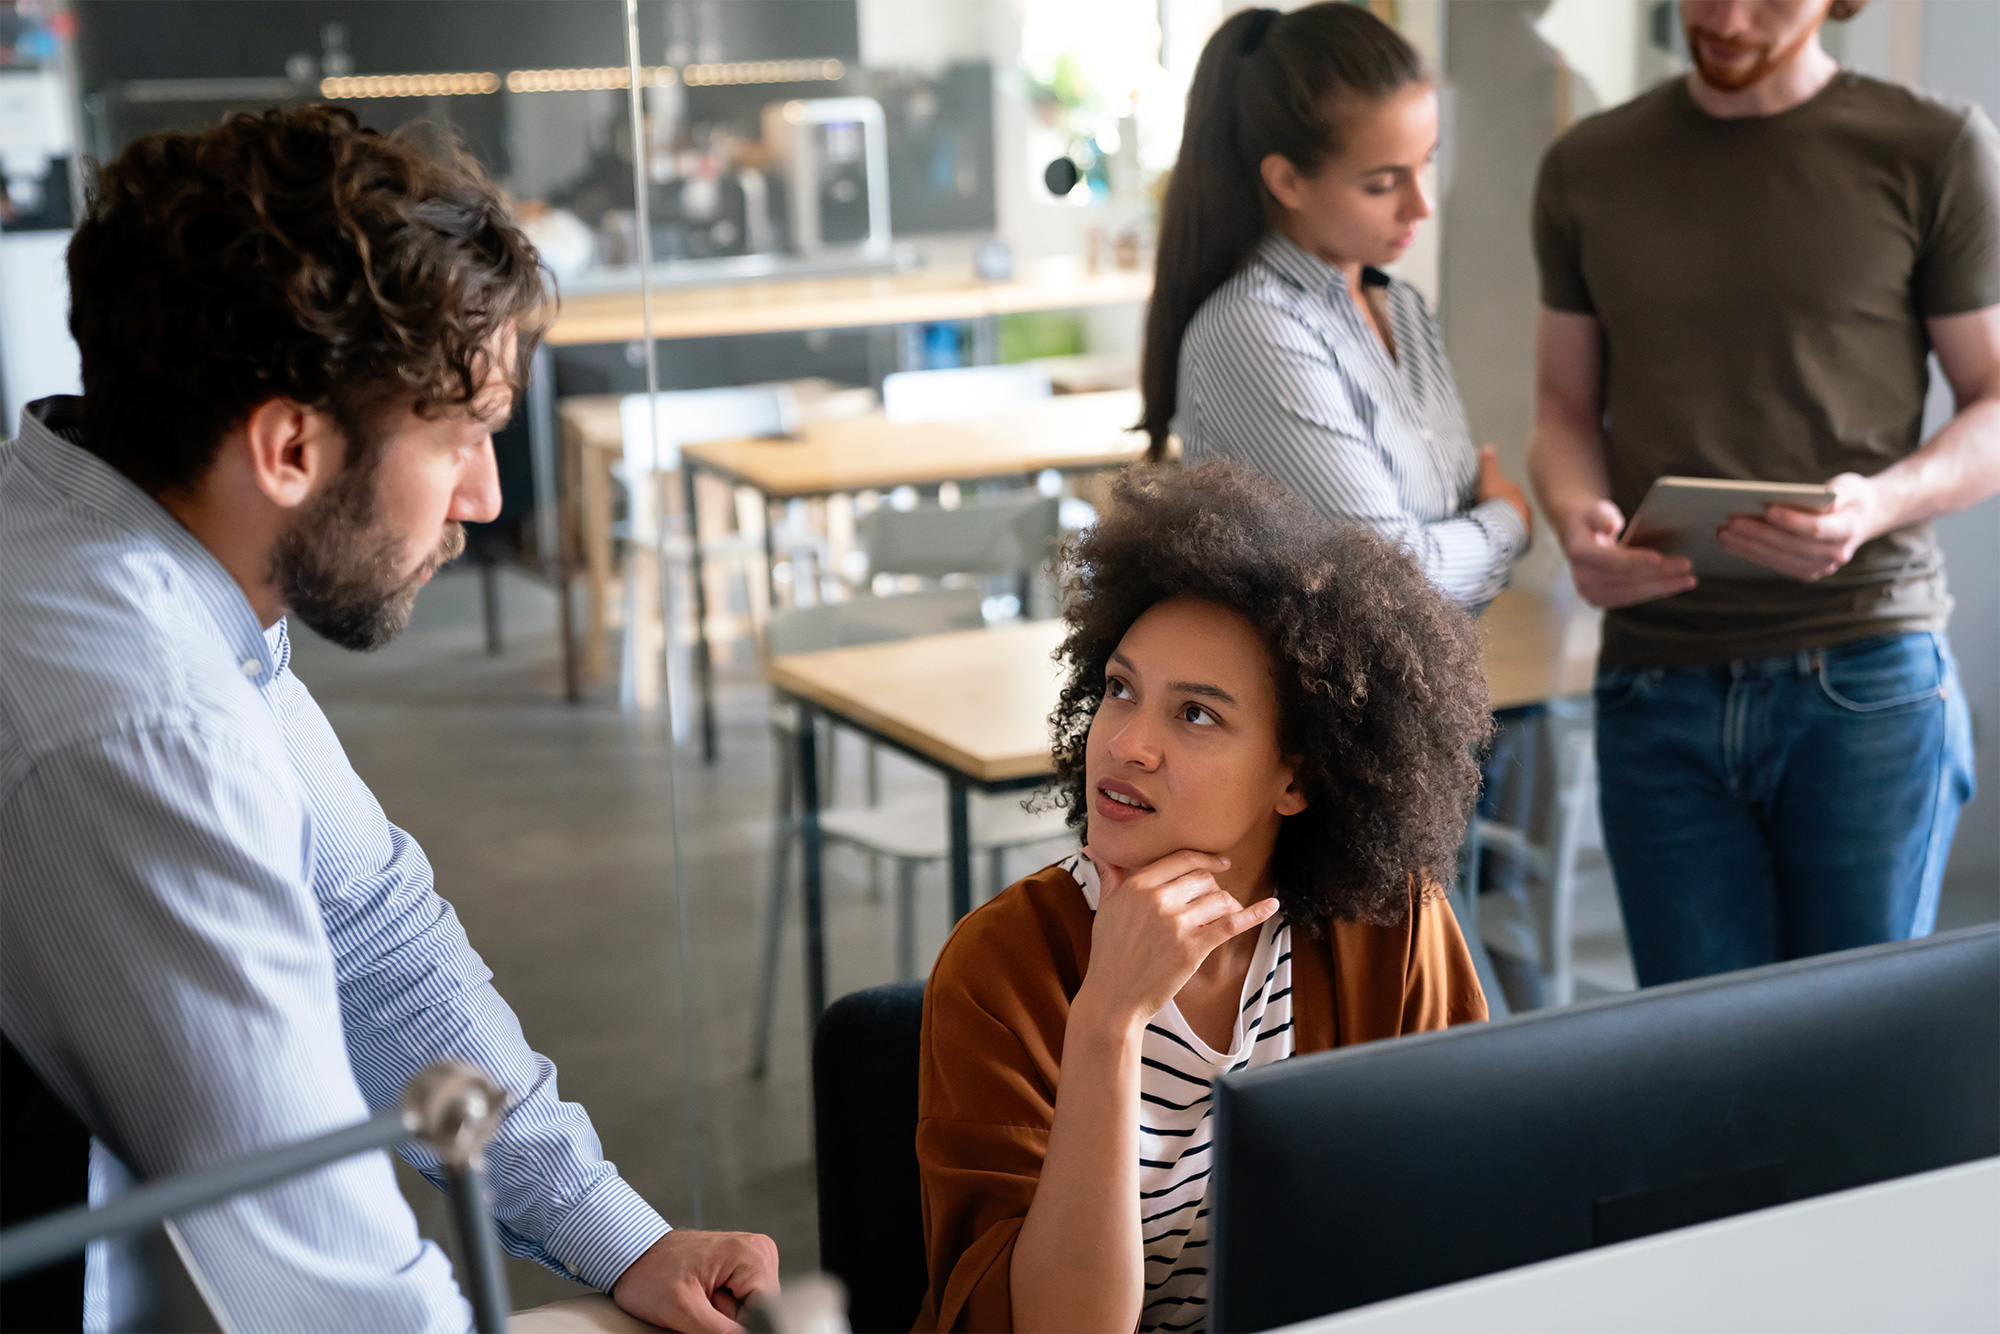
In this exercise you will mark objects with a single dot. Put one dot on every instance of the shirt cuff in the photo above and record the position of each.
(604, 1232)
(1500, 516)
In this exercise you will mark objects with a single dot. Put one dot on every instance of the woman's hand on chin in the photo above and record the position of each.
(1154, 927)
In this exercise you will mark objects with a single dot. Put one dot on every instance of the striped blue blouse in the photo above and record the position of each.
(1279, 371)
(212, 940)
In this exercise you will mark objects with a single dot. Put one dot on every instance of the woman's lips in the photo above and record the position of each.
(1110, 807)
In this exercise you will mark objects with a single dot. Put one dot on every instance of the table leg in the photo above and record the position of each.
(810, 851)
(704, 662)
(771, 560)
(961, 850)
(542, 442)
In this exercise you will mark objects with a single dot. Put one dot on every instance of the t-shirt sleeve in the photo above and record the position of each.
(1960, 267)
(1558, 245)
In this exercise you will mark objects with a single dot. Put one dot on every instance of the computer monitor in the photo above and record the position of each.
(1375, 1171)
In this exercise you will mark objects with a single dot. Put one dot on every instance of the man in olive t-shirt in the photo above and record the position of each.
(1742, 274)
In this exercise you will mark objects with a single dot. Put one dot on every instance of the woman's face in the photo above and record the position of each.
(1183, 752)
(1363, 207)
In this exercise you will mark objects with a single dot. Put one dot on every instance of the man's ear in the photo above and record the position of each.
(1282, 179)
(293, 450)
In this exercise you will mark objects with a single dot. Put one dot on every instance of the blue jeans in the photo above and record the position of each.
(1771, 809)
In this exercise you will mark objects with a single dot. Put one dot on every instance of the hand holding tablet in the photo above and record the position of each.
(1746, 530)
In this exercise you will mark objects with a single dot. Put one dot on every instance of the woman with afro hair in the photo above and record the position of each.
(1267, 744)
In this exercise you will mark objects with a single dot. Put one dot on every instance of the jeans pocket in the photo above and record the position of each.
(1616, 687)
(1881, 674)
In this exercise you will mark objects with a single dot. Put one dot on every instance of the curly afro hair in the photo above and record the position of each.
(1381, 691)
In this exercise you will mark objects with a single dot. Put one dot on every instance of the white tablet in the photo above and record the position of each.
(1679, 517)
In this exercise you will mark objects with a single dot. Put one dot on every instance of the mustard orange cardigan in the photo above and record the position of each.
(995, 1010)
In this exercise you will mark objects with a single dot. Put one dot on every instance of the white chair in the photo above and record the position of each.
(652, 440)
(1572, 830)
(911, 833)
(966, 391)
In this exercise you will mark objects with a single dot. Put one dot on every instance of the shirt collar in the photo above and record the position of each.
(49, 429)
(1293, 263)
(1084, 871)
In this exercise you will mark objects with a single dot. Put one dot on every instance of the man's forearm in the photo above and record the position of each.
(1956, 469)
(1079, 1262)
(1566, 467)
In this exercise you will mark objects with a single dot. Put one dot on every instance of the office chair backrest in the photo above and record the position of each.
(44, 1169)
(967, 391)
(871, 1222)
(984, 535)
(696, 416)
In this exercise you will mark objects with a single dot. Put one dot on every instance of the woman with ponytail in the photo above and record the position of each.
(1275, 338)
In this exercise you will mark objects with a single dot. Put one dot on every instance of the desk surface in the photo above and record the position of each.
(978, 702)
(1915, 1253)
(859, 453)
(836, 303)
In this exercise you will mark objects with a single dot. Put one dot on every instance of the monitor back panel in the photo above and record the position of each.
(1376, 1171)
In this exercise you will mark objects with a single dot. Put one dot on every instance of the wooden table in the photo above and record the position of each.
(844, 302)
(1068, 433)
(975, 705)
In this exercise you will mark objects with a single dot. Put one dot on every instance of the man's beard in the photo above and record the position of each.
(337, 566)
(1769, 58)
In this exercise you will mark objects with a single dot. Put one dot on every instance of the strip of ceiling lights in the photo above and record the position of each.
(349, 88)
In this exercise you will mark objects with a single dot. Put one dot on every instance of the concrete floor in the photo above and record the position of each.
(550, 828)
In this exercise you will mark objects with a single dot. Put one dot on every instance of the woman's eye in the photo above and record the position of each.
(1116, 689)
(1199, 716)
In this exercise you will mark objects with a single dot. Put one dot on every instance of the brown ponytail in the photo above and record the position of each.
(1265, 84)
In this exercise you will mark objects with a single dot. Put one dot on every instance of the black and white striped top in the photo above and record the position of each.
(1280, 371)
(1175, 1070)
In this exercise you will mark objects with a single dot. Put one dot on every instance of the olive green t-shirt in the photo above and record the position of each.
(1762, 285)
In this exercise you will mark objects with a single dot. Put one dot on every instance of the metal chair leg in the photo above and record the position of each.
(996, 871)
(871, 772)
(774, 906)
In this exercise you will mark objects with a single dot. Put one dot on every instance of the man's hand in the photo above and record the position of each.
(698, 1281)
(1804, 544)
(1609, 575)
(1496, 485)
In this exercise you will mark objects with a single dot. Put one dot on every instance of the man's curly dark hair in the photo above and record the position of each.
(1381, 691)
(289, 254)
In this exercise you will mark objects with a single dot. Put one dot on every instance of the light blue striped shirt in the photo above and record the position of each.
(213, 941)
(1279, 371)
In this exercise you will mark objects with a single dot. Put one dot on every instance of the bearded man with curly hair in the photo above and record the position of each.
(1267, 745)
(297, 339)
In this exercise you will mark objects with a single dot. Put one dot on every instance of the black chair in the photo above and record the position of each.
(44, 1168)
(871, 1227)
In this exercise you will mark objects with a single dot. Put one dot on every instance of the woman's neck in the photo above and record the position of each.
(1287, 226)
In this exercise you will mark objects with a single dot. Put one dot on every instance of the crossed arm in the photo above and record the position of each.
(1958, 467)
